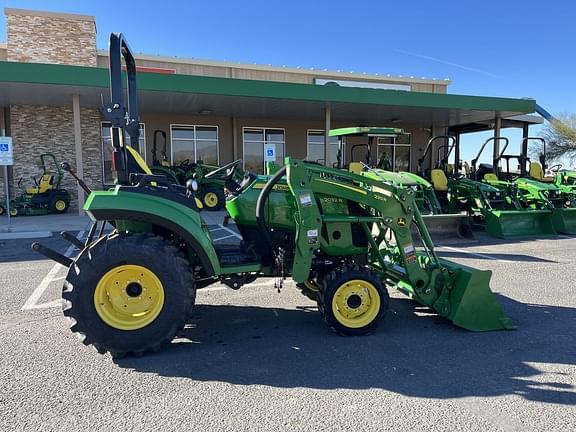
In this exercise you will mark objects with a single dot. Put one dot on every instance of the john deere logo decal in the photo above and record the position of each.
(401, 221)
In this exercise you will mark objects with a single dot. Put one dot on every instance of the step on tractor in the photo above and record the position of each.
(46, 196)
(343, 236)
(539, 191)
(492, 203)
(211, 191)
(439, 220)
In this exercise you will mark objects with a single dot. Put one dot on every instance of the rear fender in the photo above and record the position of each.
(150, 209)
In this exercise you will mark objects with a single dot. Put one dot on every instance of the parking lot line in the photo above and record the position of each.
(234, 233)
(32, 301)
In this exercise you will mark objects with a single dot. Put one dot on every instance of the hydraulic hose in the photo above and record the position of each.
(261, 203)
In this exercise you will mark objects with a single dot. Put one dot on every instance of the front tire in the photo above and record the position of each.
(352, 300)
(59, 205)
(128, 294)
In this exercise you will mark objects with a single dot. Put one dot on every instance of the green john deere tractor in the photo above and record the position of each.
(210, 190)
(345, 236)
(541, 192)
(46, 196)
(439, 220)
(494, 204)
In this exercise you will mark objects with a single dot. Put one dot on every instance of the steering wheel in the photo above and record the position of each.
(555, 168)
(185, 163)
(224, 173)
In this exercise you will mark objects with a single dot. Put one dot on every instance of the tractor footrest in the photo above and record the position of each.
(231, 255)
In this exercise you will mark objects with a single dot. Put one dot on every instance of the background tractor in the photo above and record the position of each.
(210, 192)
(46, 196)
(346, 236)
(440, 220)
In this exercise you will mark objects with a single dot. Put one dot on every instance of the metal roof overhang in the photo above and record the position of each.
(46, 84)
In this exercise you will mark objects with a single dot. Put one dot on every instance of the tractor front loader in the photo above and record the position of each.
(540, 192)
(345, 236)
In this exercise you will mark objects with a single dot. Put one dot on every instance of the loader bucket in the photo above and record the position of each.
(472, 304)
(448, 225)
(564, 220)
(520, 223)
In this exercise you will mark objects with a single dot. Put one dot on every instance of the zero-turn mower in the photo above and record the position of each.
(347, 237)
(46, 196)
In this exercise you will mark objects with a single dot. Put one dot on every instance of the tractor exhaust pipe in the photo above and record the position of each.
(52, 254)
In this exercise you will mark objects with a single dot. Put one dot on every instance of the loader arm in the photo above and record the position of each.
(456, 292)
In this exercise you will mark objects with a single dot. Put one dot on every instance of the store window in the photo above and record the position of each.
(395, 152)
(193, 143)
(106, 131)
(315, 149)
(259, 142)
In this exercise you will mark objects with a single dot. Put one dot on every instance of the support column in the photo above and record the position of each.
(496, 153)
(78, 149)
(235, 137)
(524, 149)
(327, 127)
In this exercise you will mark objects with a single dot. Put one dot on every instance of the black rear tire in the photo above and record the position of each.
(352, 300)
(165, 261)
(59, 204)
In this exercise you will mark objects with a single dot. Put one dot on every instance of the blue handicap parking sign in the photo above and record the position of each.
(269, 152)
(3, 147)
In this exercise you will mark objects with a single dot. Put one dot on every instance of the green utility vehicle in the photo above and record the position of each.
(439, 220)
(345, 235)
(46, 196)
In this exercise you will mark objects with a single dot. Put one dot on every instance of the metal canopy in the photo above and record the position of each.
(42, 84)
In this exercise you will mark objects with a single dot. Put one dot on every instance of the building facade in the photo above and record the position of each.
(53, 80)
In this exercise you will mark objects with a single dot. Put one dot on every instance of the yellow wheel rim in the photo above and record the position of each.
(356, 303)
(129, 297)
(60, 205)
(13, 211)
(211, 199)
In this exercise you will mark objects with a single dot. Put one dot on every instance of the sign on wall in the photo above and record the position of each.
(269, 152)
(6, 157)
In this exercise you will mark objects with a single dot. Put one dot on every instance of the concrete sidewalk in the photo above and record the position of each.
(23, 227)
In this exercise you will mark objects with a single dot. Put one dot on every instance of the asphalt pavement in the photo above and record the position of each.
(256, 359)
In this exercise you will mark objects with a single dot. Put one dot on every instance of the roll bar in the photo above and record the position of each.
(122, 112)
(474, 161)
(429, 147)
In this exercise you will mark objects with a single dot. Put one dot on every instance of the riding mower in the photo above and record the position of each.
(494, 204)
(211, 190)
(438, 220)
(348, 236)
(541, 192)
(45, 197)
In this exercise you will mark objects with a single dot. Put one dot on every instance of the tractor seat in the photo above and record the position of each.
(45, 184)
(490, 177)
(537, 172)
(439, 180)
(355, 167)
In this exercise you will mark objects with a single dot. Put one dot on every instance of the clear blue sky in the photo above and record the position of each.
(504, 48)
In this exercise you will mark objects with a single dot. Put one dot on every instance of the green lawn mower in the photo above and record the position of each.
(210, 189)
(439, 220)
(345, 236)
(45, 197)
